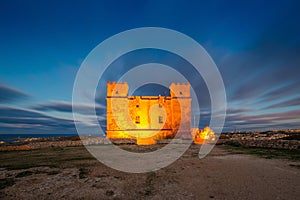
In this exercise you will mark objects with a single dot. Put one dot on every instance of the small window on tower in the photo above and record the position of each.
(137, 105)
(137, 119)
(180, 93)
(159, 105)
(160, 119)
(117, 92)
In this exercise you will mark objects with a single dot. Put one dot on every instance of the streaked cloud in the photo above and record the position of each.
(266, 121)
(8, 94)
(288, 103)
(64, 106)
(13, 119)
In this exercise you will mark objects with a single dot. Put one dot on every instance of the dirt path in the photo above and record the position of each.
(221, 175)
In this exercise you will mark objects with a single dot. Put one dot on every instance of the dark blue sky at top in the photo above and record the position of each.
(255, 44)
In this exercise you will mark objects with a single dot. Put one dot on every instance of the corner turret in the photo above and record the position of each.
(178, 90)
(117, 89)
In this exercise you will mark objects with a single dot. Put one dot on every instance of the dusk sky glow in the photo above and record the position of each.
(255, 45)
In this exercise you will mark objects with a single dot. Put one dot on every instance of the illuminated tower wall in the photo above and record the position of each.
(157, 117)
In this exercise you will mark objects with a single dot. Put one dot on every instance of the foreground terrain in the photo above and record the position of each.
(226, 173)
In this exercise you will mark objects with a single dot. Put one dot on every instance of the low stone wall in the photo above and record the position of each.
(48, 144)
(40, 145)
(15, 148)
(275, 144)
(120, 141)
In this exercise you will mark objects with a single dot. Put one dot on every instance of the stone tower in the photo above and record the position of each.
(148, 118)
(181, 109)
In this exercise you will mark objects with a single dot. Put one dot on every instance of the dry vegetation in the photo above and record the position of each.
(226, 173)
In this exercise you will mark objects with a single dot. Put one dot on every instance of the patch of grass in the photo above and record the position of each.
(102, 175)
(48, 157)
(297, 166)
(149, 187)
(53, 172)
(6, 182)
(80, 158)
(26, 166)
(268, 153)
(23, 174)
(109, 193)
(83, 173)
(16, 167)
(140, 148)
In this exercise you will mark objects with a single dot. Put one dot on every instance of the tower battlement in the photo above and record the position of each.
(117, 89)
(180, 90)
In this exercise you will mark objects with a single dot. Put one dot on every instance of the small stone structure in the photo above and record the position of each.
(49, 144)
(274, 144)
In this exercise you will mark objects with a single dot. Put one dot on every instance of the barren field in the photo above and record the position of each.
(226, 173)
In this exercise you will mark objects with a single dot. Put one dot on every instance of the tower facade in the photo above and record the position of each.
(148, 118)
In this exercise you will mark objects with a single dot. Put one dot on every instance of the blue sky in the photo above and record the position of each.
(255, 44)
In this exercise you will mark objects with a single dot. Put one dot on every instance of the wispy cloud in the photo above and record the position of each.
(8, 94)
(27, 121)
(13, 118)
(286, 90)
(64, 106)
(288, 103)
(259, 121)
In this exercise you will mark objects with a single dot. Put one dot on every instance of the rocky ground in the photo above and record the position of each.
(226, 173)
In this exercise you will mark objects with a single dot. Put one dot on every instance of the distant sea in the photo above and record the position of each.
(15, 137)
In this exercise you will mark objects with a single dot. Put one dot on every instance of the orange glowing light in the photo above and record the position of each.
(203, 136)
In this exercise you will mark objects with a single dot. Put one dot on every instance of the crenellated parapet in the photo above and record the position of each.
(117, 89)
(180, 90)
